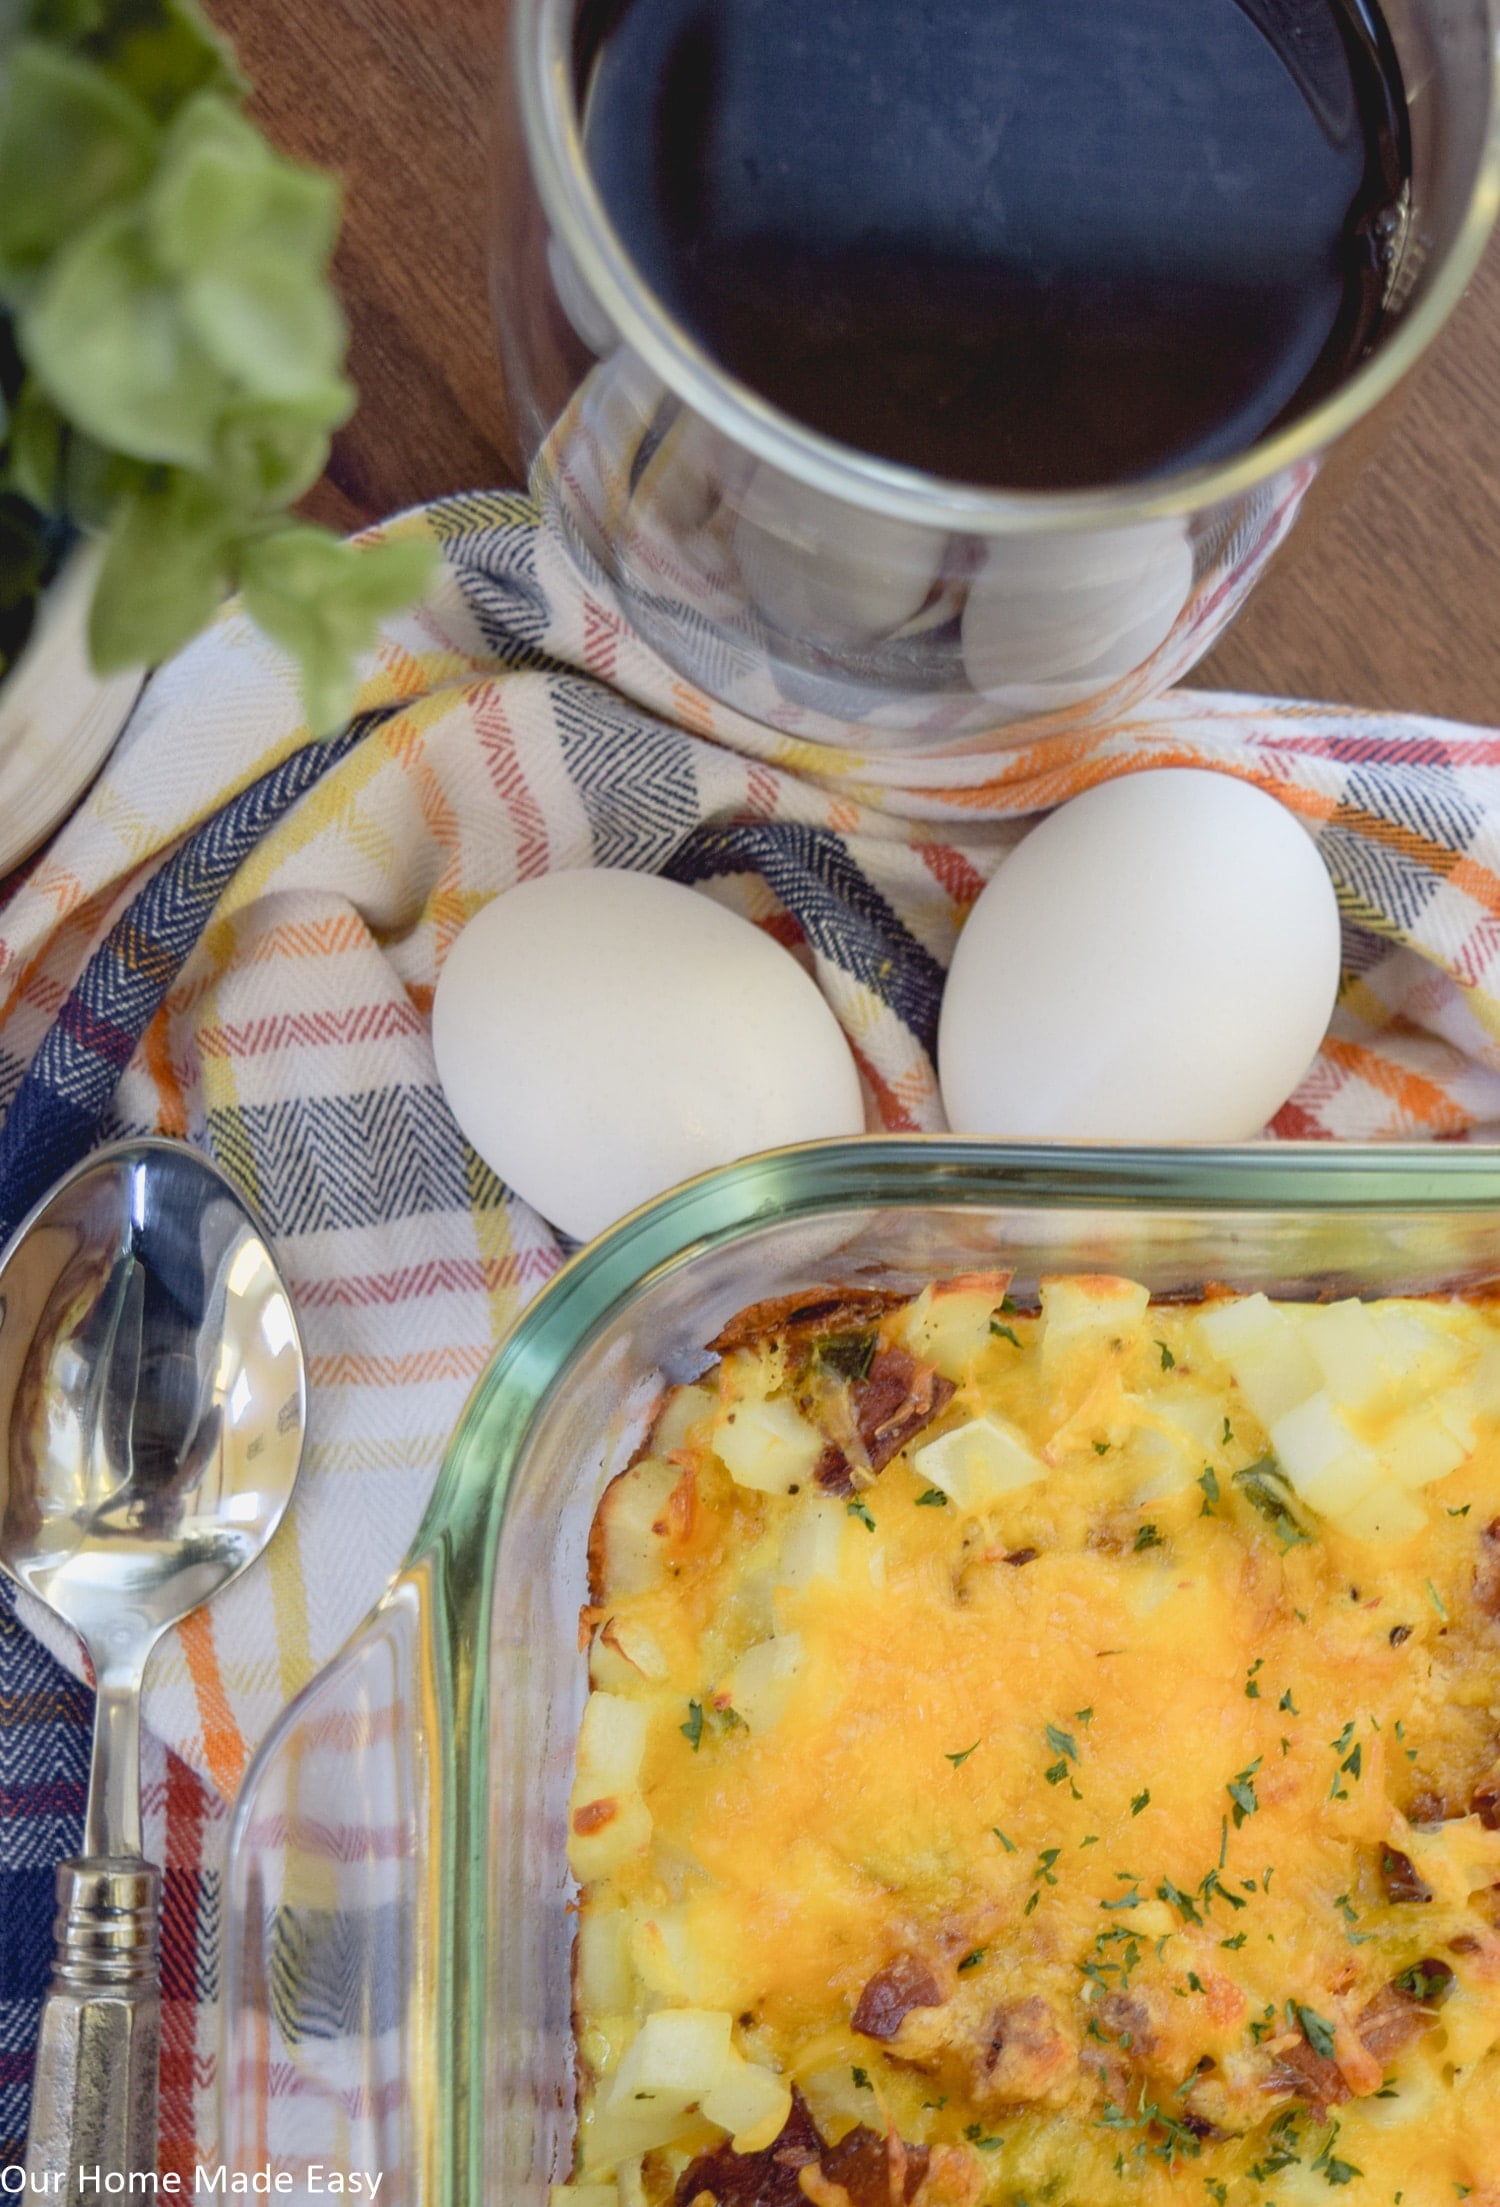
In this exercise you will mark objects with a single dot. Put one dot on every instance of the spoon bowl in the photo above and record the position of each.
(153, 1401)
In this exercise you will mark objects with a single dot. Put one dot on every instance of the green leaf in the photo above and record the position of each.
(161, 50)
(35, 459)
(1267, 1489)
(96, 482)
(267, 455)
(275, 330)
(1315, 2029)
(846, 1355)
(72, 141)
(66, 21)
(168, 565)
(323, 601)
(108, 344)
(221, 189)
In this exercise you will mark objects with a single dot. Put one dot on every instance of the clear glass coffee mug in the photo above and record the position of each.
(853, 601)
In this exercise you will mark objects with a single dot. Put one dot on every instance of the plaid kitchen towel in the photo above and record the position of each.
(236, 937)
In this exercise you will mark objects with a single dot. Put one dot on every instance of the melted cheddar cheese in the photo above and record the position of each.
(1049, 1756)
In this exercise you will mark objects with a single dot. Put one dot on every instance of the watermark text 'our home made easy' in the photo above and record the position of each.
(93, 2183)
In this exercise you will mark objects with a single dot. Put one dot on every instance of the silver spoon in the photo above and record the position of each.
(152, 1405)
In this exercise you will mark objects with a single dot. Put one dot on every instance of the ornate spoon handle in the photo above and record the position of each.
(93, 2098)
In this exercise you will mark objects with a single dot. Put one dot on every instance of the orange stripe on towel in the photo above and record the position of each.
(223, 1742)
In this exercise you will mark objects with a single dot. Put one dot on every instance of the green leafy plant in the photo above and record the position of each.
(171, 351)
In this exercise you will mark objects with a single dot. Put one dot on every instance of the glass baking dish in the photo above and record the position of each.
(397, 1935)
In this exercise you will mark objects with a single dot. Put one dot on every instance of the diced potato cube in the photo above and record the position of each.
(604, 1831)
(950, 1327)
(1484, 1388)
(1271, 1364)
(977, 1463)
(631, 2180)
(1163, 1463)
(1421, 1448)
(813, 1542)
(634, 1526)
(1310, 1438)
(1275, 1374)
(1457, 1410)
(769, 1446)
(1078, 1308)
(1228, 1326)
(1418, 1349)
(1327, 1466)
(1197, 1414)
(676, 2056)
(760, 1685)
(606, 1980)
(611, 2139)
(750, 2103)
(662, 1954)
(1349, 1350)
(688, 1407)
(1343, 1484)
(611, 1743)
(1387, 1513)
(625, 1654)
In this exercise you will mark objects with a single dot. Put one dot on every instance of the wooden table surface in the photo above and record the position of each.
(1388, 597)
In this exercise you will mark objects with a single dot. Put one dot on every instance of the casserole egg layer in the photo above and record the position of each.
(1049, 1755)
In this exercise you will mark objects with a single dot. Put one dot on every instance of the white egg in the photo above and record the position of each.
(602, 1035)
(1156, 962)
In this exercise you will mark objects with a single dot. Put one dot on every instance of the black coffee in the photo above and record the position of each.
(1035, 243)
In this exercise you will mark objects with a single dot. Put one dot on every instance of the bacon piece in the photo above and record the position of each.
(1301, 2073)
(1484, 1801)
(1128, 2019)
(832, 1471)
(897, 1397)
(1392, 2020)
(1019, 1556)
(1397, 2015)
(875, 2171)
(863, 2170)
(1027, 2056)
(805, 1317)
(905, 1982)
(1487, 1570)
(764, 2179)
(1401, 1880)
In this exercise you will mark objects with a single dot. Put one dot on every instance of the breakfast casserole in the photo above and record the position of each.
(1046, 1753)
